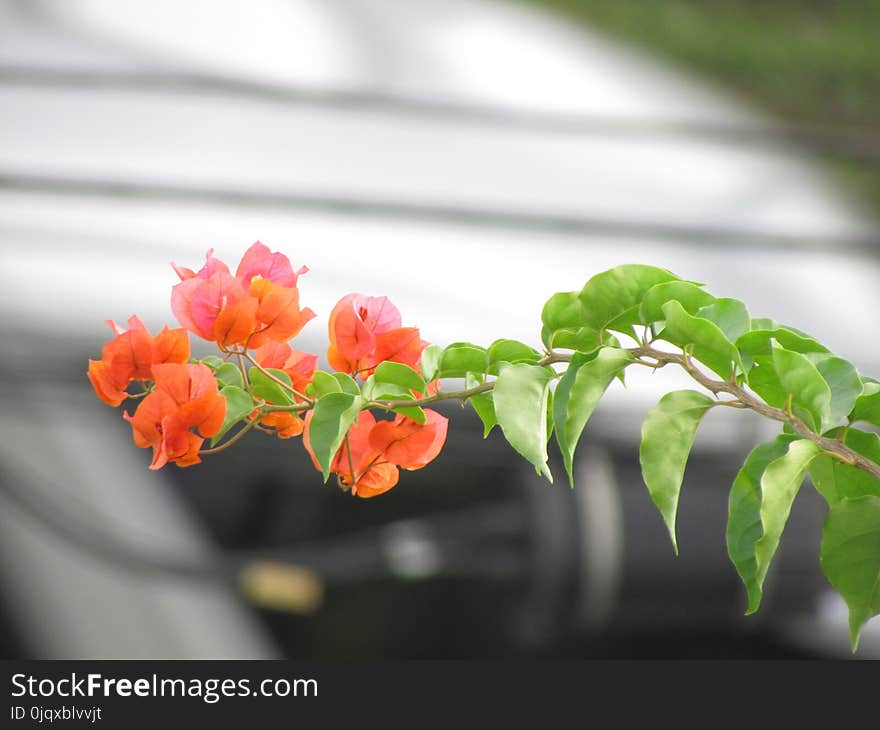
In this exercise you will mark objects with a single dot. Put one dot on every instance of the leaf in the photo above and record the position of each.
(229, 374)
(562, 311)
(430, 361)
(867, 406)
(667, 437)
(347, 383)
(484, 406)
(691, 297)
(332, 416)
(520, 398)
(780, 484)
(262, 386)
(730, 315)
(835, 480)
(324, 383)
(850, 558)
(212, 361)
(460, 358)
(399, 374)
(238, 405)
(710, 346)
(510, 351)
(611, 300)
(744, 528)
(803, 383)
(844, 382)
(758, 341)
(578, 394)
(582, 339)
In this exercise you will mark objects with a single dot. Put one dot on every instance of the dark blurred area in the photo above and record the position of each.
(466, 159)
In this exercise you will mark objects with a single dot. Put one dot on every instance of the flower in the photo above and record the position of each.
(131, 355)
(259, 304)
(368, 460)
(365, 331)
(186, 397)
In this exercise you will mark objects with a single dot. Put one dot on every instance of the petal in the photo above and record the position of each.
(287, 425)
(403, 345)
(279, 312)
(379, 314)
(235, 323)
(408, 444)
(349, 335)
(171, 346)
(173, 379)
(258, 260)
(106, 388)
(378, 480)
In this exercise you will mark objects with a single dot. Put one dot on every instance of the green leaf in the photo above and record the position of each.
(510, 351)
(238, 405)
(780, 484)
(399, 374)
(744, 528)
(431, 361)
(460, 358)
(212, 361)
(710, 346)
(581, 339)
(758, 341)
(867, 406)
(520, 396)
(562, 311)
(730, 315)
(347, 383)
(324, 383)
(844, 382)
(802, 381)
(229, 374)
(850, 558)
(267, 389)
(667, 437)
(611, 300)
(483, 404)
(332, 416)
(835, 480)
(691, 297)
(578, 394)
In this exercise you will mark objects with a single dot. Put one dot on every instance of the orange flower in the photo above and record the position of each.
(186, 397)
(365, 331)
(130, 356)
(377, 449)
(257, 305)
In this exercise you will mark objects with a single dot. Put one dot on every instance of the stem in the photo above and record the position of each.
(222, 447)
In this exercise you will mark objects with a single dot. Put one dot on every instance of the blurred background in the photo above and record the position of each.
(466, 158)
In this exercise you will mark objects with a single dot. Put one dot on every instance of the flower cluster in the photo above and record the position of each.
(260, 381)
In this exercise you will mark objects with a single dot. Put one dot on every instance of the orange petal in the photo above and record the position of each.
(378, 480)
(408, 444)
(106, 388)
(236, 323)
(171, 345)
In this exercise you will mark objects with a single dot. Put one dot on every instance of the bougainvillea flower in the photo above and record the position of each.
(365, 331)
(373, 474)
(259, 304)
(378, 448)
(300, 366)
(408, 444)
(131, 355)
(286, 425)
(186, 397)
